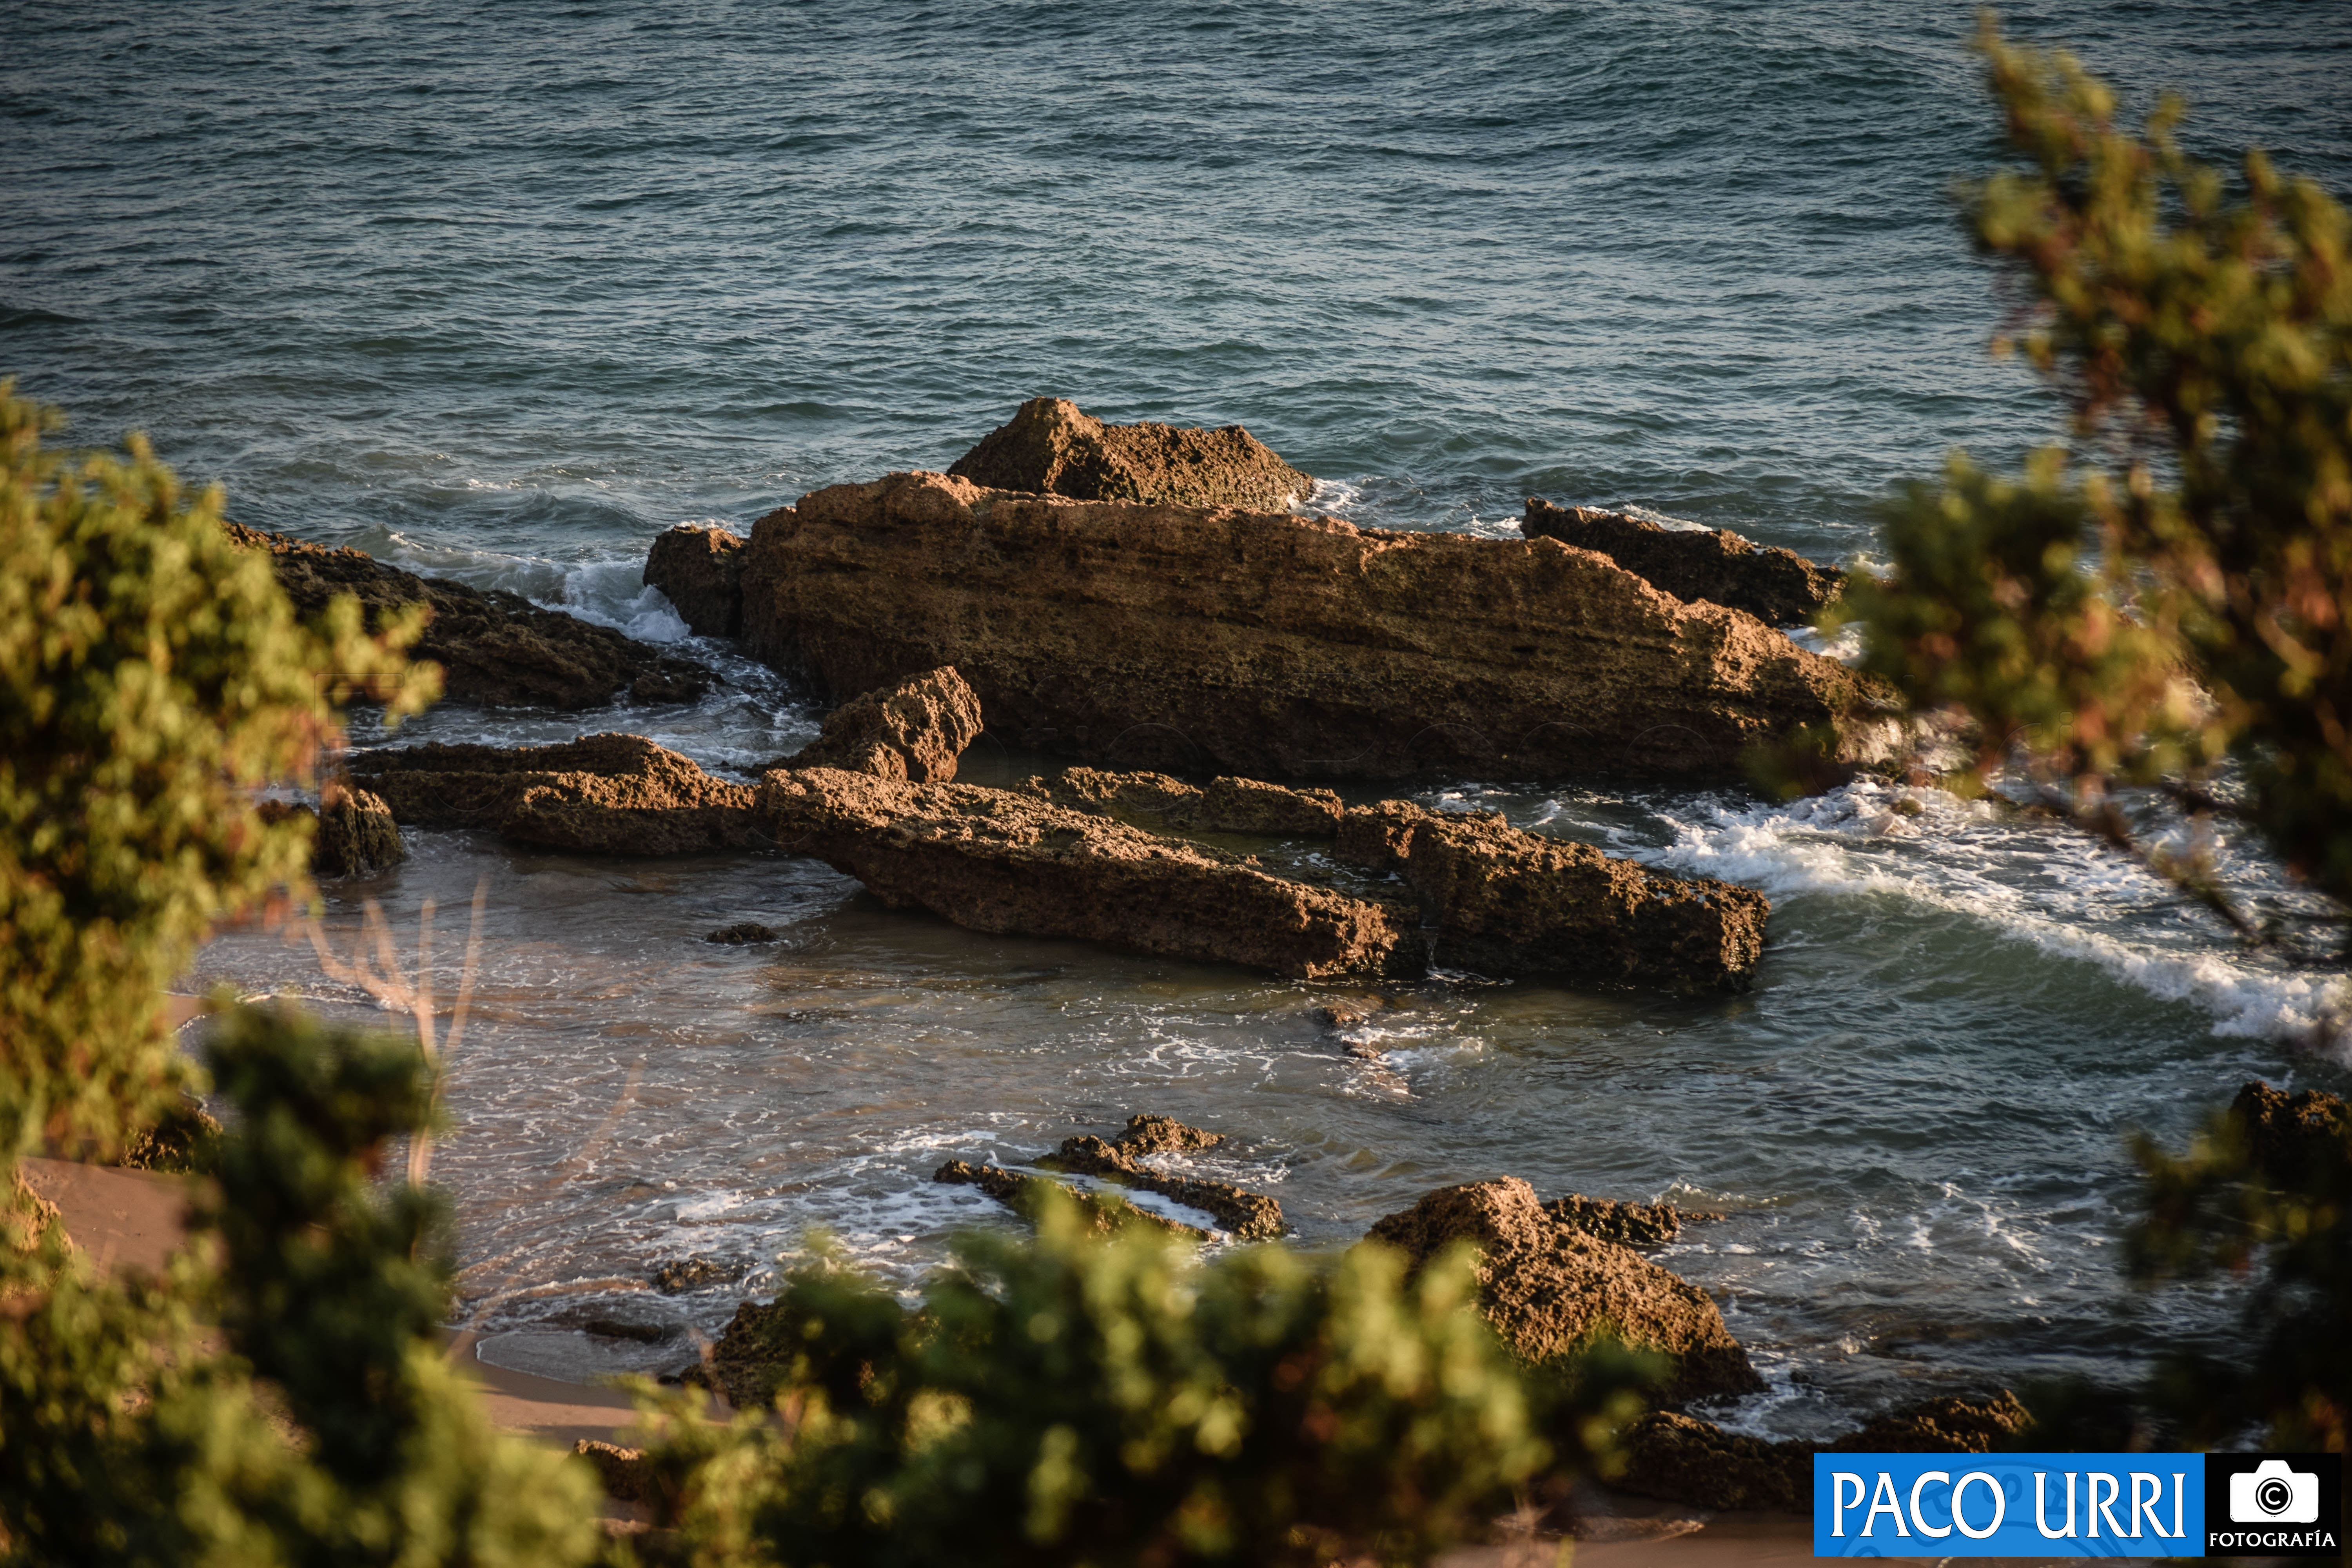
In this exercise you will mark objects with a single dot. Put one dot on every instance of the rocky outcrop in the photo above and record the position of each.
(1050, 447)
(1551, 1289)
(2292, 1137)
(494, 649)
(1149, 1134)
(1269, 646)
(1779, 587)
(1506, 901)
(1684, 1459)
(1106, 1213)
(1500, 900)
(701, 571)
(604, 794)
(995, 860)
(916, 730)
(353, 832)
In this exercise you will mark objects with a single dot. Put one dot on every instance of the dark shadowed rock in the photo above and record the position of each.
(494, 649)
(995, 860)
(1627, 1223)
(622, 1473)
(1550, 1289)
(1684, 1459)
(743, 934)
(915, 728)
(701, 571)
(1268, 645)
(602, 795)
(1779, 587)
(2292, 1137)
(1107, 1212)
(1250, 1216)
(1150, 1134)
(1506, 901)
(1050, 447)
(682, 1274)
(357, 834)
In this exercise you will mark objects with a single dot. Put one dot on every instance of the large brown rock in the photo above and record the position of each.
(1779, 587)
(1271, 646)
(1506, 901)
(602, 795)
(1050, 447)
(916, 730)
(701, 571)
(1550, 1289)
(995, 860)
(494, 649)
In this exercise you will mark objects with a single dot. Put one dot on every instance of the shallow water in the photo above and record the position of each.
(502, 295)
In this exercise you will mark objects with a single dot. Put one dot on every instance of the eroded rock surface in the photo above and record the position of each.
(995, 860)
(1506, 901)
(1548, 1288)
(915, 728)
(494, 649)
(1225, 806)
(1779, 587)
(1146, 1134)
(701, 571)
(357, 833)
(1627, 1223)
(1050, 445)
(1269, 646)
(602, 795)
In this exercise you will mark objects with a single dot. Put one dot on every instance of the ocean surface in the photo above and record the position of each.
(500, 293)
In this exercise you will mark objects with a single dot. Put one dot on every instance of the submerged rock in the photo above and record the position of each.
(1550, 1289)
(995, 860)
(494, 649)
(1269, 646)
(682, 1274)
(1506, 901)
(1247, 1215)
(701, 571)
(915, 728)
(1779, 587)
(1020, 1192)
(601, 795)
(744, 933)
(1050, 445)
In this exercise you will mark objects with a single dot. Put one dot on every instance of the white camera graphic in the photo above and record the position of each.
(2273, 1494)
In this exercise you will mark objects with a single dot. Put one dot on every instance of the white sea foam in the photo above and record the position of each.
(2040, 885)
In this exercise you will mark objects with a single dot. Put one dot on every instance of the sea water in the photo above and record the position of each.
(500, 294)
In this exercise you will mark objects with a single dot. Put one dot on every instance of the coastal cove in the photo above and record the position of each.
(508, 316)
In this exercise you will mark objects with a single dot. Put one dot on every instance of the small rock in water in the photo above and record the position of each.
(744, 932)
(683, 1273)
(626, 1328)
(1628, 1224)
(1349, 1012)
(1148, 1134)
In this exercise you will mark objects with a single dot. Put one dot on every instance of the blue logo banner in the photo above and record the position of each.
(2008, 1505)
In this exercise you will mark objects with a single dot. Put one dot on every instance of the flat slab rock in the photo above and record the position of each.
(1271, 646)
(1107, 1213)
(1548, 1287)
(1052, 446)
(1779, 587)
(602, 795)
(995, 860)
(495, 649)
(1684, 1459)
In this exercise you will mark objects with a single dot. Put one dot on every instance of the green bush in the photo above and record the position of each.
(1077, 1399)
(152, 676)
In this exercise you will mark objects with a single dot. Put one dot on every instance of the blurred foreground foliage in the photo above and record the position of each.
(2172, 588)
(152, 677)
(1082, 1399)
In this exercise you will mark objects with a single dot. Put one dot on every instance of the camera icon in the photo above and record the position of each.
(2273, 1494)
